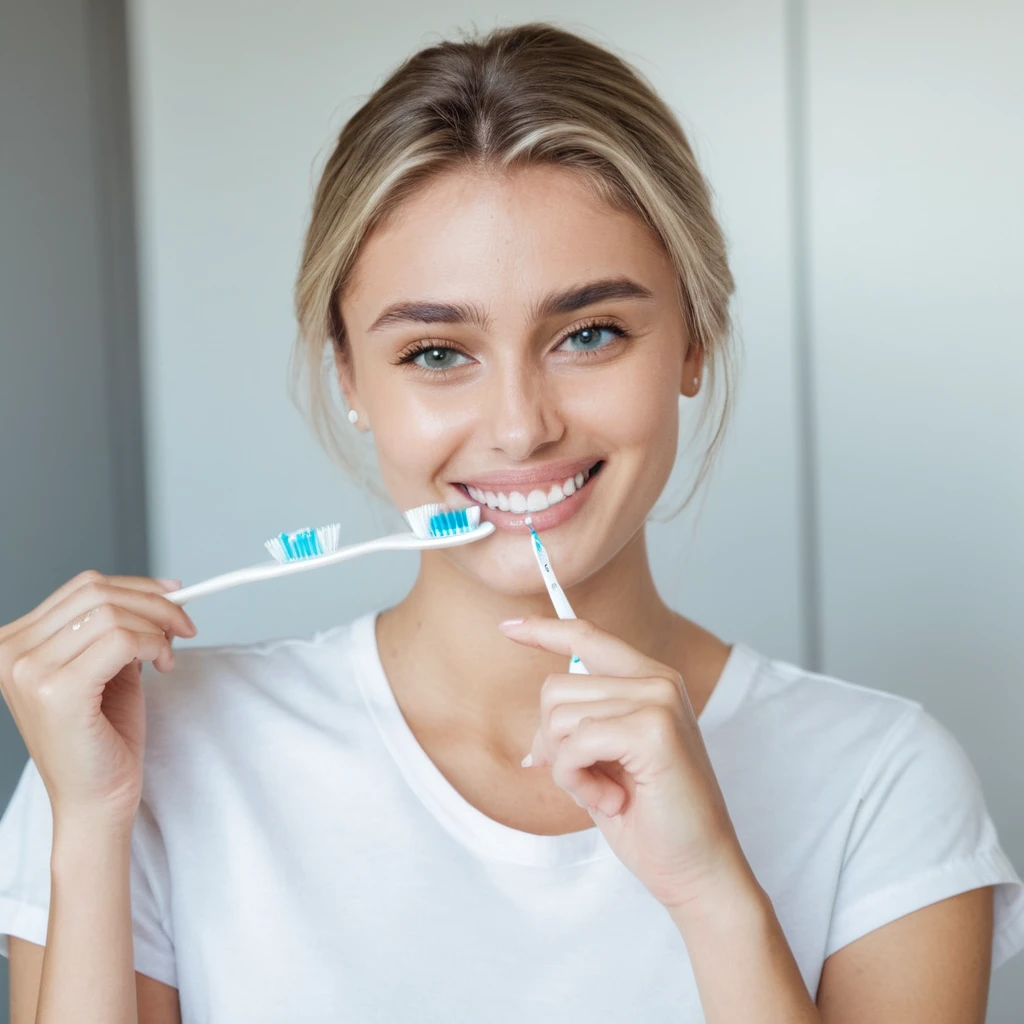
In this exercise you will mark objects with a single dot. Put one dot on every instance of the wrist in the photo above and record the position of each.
(731, 899)
(78, 839)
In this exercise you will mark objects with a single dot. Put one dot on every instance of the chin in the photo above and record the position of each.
(504, 563)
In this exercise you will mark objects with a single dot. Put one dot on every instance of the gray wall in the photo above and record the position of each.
(866, 516)
(71, 494)
(915, 226)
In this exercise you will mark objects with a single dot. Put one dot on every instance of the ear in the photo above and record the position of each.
(693, 370)
(346, 380)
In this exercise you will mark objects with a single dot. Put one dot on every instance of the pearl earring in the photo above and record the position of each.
(696, 383)
(353, 416)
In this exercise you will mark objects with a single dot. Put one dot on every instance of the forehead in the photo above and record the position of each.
(497, 238)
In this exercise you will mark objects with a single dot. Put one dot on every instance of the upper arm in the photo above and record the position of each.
(157, 1002)
(932, 965)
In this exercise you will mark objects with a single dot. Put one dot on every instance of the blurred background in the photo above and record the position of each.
(866, 518)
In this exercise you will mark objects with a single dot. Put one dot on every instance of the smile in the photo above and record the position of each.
(539, 496)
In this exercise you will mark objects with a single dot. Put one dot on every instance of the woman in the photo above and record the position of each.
(514, 265)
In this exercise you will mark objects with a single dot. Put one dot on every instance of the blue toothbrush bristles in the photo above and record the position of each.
(536, 537)
(436, 520)
(308, 543)
(445, 524)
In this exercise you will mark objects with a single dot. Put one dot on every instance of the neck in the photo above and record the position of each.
(445, 655)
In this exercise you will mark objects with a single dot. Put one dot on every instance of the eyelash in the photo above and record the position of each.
(419, 347)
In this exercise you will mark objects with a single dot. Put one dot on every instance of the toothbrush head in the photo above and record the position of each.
(437, 520)
(308, 543)
(533, 533)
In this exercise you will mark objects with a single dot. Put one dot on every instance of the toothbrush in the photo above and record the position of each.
(558, 598)
(433, 526)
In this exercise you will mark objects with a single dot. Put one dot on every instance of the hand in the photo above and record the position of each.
(624, 742)
(70, 674)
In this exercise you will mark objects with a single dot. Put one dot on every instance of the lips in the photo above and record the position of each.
(535, 497)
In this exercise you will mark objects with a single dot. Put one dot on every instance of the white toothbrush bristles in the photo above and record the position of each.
(419, 518)
(438, 520)
(308, 543)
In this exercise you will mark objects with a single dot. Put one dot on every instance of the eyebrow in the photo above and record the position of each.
(557, 303)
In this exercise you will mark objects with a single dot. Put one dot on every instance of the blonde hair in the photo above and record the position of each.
(521, 95)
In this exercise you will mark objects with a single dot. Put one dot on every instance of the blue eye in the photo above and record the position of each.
(436, 357)
(589, 338)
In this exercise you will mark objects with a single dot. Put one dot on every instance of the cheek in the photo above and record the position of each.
(414, 436)
(633, 410)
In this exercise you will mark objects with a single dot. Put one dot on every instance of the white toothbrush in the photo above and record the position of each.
(433, 526)
(558, 598)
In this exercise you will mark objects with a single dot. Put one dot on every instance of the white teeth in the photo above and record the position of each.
(536, 501)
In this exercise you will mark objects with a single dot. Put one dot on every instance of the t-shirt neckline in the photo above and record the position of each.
(485, 836)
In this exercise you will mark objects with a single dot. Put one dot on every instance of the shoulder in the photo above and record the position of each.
(222, 688)
(881, 791)
(821, 710)
(853, 737)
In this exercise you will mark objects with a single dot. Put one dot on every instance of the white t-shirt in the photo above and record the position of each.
(298, 857)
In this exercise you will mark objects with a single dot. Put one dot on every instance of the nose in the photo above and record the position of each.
(522, 413)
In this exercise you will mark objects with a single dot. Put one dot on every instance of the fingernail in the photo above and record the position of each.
(510, 623)
(527, 761)
(169, 584)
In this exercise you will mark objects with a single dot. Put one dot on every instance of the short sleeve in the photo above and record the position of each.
(26, 838)
(26, 833)
(921, 833)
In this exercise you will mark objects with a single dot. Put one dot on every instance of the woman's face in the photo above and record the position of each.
(516, 343)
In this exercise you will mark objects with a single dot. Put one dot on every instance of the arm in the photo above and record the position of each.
(158, 1003)
(75, 693)
(624, 742)
(742, 963)
(928, 967)
(89, 942)
(932, 965)
(88, 964)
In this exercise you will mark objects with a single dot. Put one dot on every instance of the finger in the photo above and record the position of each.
(566, 689)
(101, 661)
(558, 721)
(592, 789)
(592, 742)
(54, 599)
(152, 584)
(84, 578)
(145, 603)
(67, 643)
(600, 651)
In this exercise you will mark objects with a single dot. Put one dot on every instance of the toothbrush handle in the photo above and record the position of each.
(271, 570)
(558, 599)
(564, 611)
